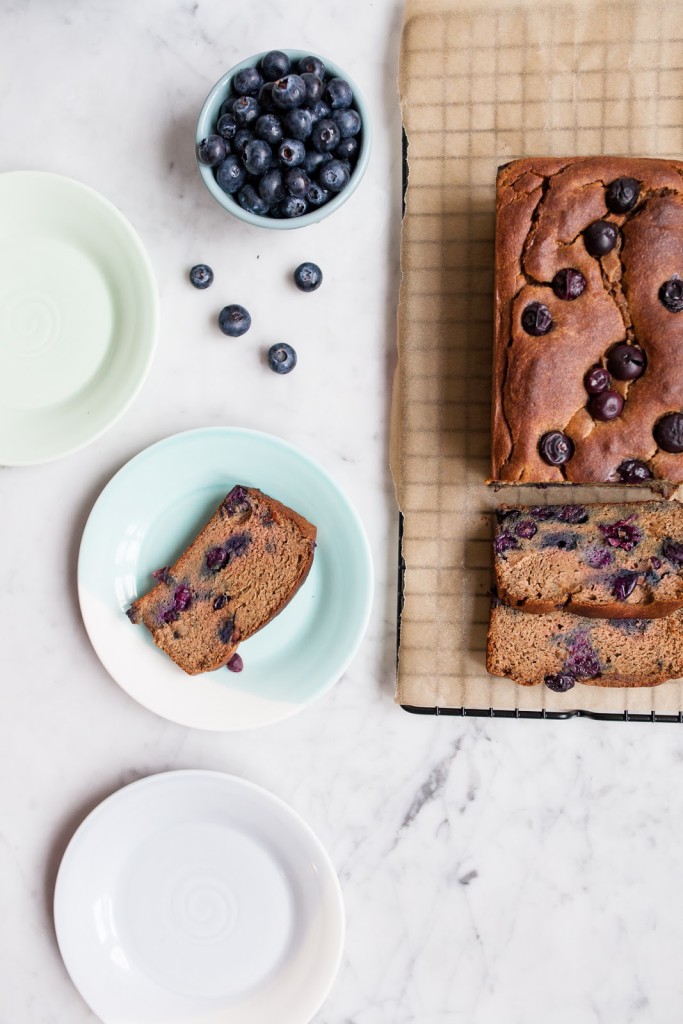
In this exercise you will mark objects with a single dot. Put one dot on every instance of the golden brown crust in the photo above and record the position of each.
(542, 208)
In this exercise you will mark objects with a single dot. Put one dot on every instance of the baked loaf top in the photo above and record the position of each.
(605, 560)
(560, 649)
(239, 572)
(589, 277)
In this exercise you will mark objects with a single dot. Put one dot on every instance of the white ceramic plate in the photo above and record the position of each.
(144, 519)
(78, 316)
(194, 897)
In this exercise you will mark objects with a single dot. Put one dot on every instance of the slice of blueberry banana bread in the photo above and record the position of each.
(560, 649)
(612, 561)
(241, 570)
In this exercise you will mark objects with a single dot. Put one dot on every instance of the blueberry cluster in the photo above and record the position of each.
(287, 138)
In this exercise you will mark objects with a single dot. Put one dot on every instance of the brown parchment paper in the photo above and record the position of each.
(483, 83)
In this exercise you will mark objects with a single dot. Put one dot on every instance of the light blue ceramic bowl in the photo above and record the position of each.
(207, 122)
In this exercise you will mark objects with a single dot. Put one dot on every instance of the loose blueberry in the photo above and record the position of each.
(257, 157)
(673, 551)
(623, 584)
(626, 362)
(572, 514)
(275, 64)
(606, 406)
(298, 123)
(281, 358)
(271, 187)
(269, 129)
(671, 294)
(600, 237)
(231, 175)
(247, 82)
(560, 683)
(568, 284)
(347, 121)
(246, 110)
(201, 276)
(308, 277)
(505, 542)
(597, 380)
(315, 87)
(242, 138)
(668, 432)
(622, 534)
(297, 181)
(234, 320)
(289, 92)
(313, 160)
(347, 149)
(598, 557)
(335, 175)
(622, 194)
(227, 126)
(536, 319)
(251, 201)
(338, 93)
(321, 111)
(632, 471)
(317, 195)
(556, 448)
(265, 98)
(182, 598)
(325, 135)
(293, 206)
(291, 152)
(526, 529)
(235, 664)
(311, 66)
(212, 150)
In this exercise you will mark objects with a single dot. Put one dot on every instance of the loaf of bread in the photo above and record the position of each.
(240, 571)
(588, 352)
(560, 649)
(606, 560)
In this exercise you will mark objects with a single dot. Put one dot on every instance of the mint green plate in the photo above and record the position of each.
(78, 316)
(147, 515)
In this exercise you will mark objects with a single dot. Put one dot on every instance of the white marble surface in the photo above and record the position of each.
(493, 872)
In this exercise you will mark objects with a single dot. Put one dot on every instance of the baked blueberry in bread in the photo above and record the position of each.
(240, 571)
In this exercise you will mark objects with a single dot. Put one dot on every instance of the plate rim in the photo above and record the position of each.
(153, 294)
(229, 779)
(368, 563)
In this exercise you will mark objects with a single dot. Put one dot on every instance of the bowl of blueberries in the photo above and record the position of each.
(283, 139)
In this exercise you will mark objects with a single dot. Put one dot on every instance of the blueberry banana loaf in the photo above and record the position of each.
(588, 352)
(560, 649)
(239, 573)
(610, 561)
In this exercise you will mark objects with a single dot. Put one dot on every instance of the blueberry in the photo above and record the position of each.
(293, 206)
(275, 64)
(671, 294)
(526, 528)
(257, 157)
(237, 545)
(317, 195)
(320, 110)
(668, 432)
(561, 682)
(201, 276)
(572, 514)
(291, 152)
(542, 512)
(568, 284)
(219, 602)
(583, 660)
(242, 137)
(623, 584)
(606, 406)
(597, 380)
(626, 362)
(325, 136)
(536, 319)
(505, 542)
(621, 534)
(271, 187)
(182, 598)
(311, 66)
(308, 277)
(622, 194)
(289, 92)
(314, 160)
(234, 321)
(247, 82)
(600, 237)
(251, 201)
(315, 87)
(347, 121)
(298, 123)
(227, 126)
(268, 128)
(335, 176)
(598, 557)
(235, 664)
(212, 150)
(231, 175)
(265, 98)
(162, 575)
(565, 540)
(347, 149)
(169, 616)
(246, 110)
(556, 448)
(237, 500)
(281, 358)
(216, 558)
(226, 631)
(673, 551)
(338, 93)
(297, 181)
